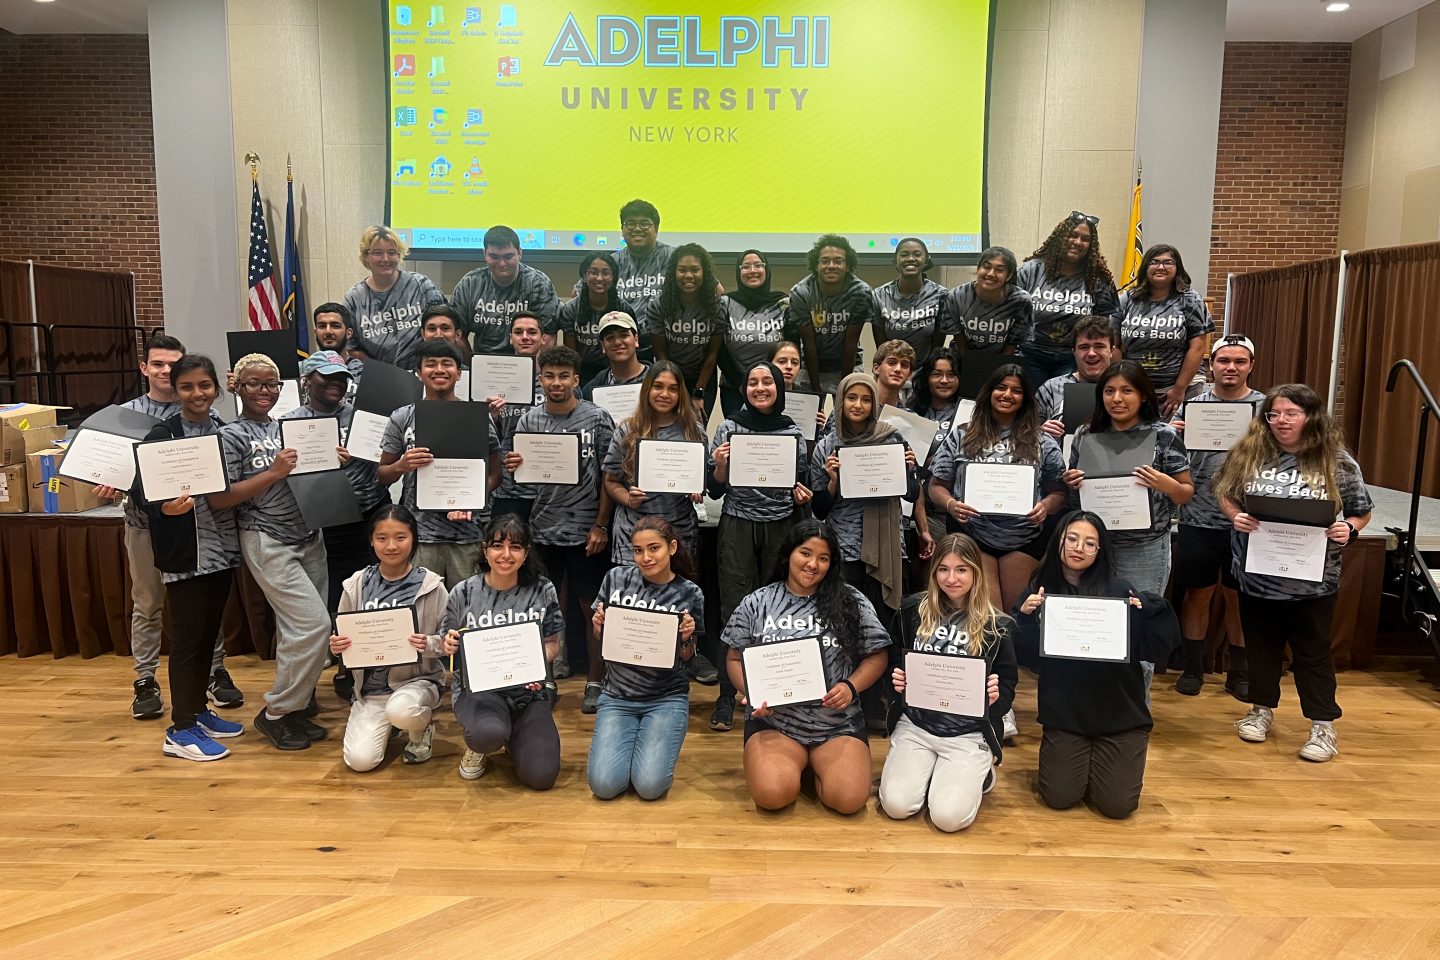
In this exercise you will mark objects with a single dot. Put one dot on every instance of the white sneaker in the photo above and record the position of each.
(1254, 727)
(472, 765)
(419, 750)
(989, 781)
(1012, 729)
(1321, 745)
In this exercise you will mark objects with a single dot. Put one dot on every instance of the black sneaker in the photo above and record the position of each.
(591, 703)
(1237, 684)
(701, 670)
(1189, 684)
(311, 730)
(311, 709)
(345, 685)
(723, 719)
(223, 692)
(147, 705)
(283, 732)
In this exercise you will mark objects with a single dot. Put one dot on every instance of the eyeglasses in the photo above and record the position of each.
(1084, 546)
(1162, 263)
(1284, 416)
(1077, 217)
(383, 254)
(637, 224)
(255, 386)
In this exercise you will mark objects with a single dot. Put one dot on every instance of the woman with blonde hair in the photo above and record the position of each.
(943, 760)
(387, 306)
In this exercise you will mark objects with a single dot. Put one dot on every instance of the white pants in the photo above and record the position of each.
(946, 773)
(367, 731)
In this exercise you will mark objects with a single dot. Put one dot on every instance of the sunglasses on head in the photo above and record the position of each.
(1077, 217)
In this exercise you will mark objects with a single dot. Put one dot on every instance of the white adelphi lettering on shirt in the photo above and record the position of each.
(500, 618)
(806, 624)
(1287, 483)
(1170, 322)
(910, 313)
(623, 599)
(977, 325)
(1055, 301)
(493, 309)
(947, 639)
(691, 325)
(401, 318)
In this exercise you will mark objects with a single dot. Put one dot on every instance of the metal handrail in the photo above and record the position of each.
(52, 383)
(1429, 408)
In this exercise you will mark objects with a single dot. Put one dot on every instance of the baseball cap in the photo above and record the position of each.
(617, 318)
(323, 361)
(1233, 340)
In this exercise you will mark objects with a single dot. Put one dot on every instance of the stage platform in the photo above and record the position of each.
(1238, 850)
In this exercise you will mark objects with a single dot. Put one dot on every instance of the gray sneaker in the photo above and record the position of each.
(560, 666)
(1254, 727)
(472, 765)
(420, 750)
(1321, 745)
(701, 670)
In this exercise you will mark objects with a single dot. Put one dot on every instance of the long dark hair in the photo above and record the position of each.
(1134, 374)
(511, 527)
(400, 514)
(644, 425)
(668, 305)
(1051, 573)
(681, 562)
(921, 401)
(985, 431)
(838, 608)
(612, 295)
(1141, 283)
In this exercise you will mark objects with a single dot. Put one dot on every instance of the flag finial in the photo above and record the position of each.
(253, 160)
(289, 176)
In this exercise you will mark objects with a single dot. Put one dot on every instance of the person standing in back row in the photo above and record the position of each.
(488, 297)
(386, 306)
(828, 309)
(1067, 278)
(1163, 325)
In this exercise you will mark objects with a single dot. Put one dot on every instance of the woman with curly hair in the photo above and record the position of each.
(808, 597)
(1163, 324)
(828, 309)
(1066, 278)
(686, 324)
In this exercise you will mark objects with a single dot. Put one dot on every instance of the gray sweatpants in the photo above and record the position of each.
(295, 582)
(147, 595)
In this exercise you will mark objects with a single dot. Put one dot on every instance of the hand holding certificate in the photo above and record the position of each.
(377, 638)
(762, 460)
(452, 484)
(946, 683)
(1004, 488)
(1122, 502)
(1291, 550)
(1085, 628)
(784, 673)
(640, 637)
(97, 457)
(877, 470)
(670, 466)
(548, 458)
(510, 378)
(314, 440)
(501, 657)
(1216, 425)
(188, 466)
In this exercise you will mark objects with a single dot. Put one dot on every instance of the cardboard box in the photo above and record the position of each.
(18, 419)
(13, 491)
(52, 493)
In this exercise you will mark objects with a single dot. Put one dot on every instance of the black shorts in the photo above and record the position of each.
(754, 725)
(1203, 557)
(1035, 548)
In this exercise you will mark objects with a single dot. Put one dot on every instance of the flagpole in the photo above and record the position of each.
(253, 160)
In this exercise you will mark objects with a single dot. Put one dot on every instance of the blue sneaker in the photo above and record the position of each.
(217, 726)
(192, 744)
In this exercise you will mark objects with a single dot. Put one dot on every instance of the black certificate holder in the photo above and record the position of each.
(976, 366)
(1077, 405)
(453, 429)
(1114, 454)
(278, 345)
(121, 422)
(1299, 510)
(385, 388)
(325, 499)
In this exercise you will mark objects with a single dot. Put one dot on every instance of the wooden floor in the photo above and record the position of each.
(108, 849)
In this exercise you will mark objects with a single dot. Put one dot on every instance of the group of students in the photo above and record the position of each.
(791, 562)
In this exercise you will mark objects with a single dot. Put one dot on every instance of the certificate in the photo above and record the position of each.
(1085, 628)
(1291, 550)
(1120, 501)
(762, 460)
(877, 470)
(620, 402)
(512, 378)
(188, 465)
(314, 440)
(1216, 425)
(98, 457)
(1007, 488)
(640, 637)
(548, 458)
(804, 409)
(451, 484)
(500, 657)
(783, 673)
(918, 431)
(378, 638)
(367, 430)
(946, 683)
(289, 398)
(964, 410)
(670, 466)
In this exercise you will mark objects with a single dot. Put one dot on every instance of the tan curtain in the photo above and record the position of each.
(1390, 303)
(1289, 313)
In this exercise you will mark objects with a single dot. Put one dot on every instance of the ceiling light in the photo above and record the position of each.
(1336, 6)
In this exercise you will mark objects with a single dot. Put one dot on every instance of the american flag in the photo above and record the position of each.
(264, 305)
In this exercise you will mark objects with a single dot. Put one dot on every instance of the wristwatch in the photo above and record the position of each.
(698, 393)
(1353, 532)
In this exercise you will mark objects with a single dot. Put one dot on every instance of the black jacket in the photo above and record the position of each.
(172, 539)
(999, 660)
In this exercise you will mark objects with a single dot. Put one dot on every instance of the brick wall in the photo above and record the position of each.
(77, 158)
(1279, 159)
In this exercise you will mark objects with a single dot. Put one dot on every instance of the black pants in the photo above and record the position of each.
(746, 552)
(1110, 770)
(1305, 625)
(196, 607)
(577, 580)
(490, 721)
(872, 698)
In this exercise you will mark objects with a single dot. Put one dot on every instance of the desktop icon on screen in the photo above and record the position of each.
(437, 66)
(472, 16)
(507, 67)
(405, 168)
(437, 118)
(404, 64)
(404, 116)
(402, 16)
(474, 118)
(476, 171)
(439, 168)
(507, 15)
(437, 15)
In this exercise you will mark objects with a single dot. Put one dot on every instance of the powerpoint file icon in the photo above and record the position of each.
(507, 67)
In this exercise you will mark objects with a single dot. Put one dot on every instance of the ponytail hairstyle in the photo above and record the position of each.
(400, 514)
(981, 617)
(835, 601)
(680, 561)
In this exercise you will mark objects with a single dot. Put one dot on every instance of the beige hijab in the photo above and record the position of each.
(880, 521)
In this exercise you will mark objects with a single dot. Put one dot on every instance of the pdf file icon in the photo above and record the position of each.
(404, 64)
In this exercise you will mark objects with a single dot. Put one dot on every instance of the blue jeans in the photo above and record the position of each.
(636, 743)
(1147, 567)
(1040, 367)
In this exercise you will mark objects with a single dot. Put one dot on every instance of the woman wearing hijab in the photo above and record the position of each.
(755, 520)
(756, 325)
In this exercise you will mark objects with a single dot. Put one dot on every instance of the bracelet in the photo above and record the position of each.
(1353, 532)
(604, 530)
(854, 694)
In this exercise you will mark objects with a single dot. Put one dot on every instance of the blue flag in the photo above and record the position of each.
(293, 293)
